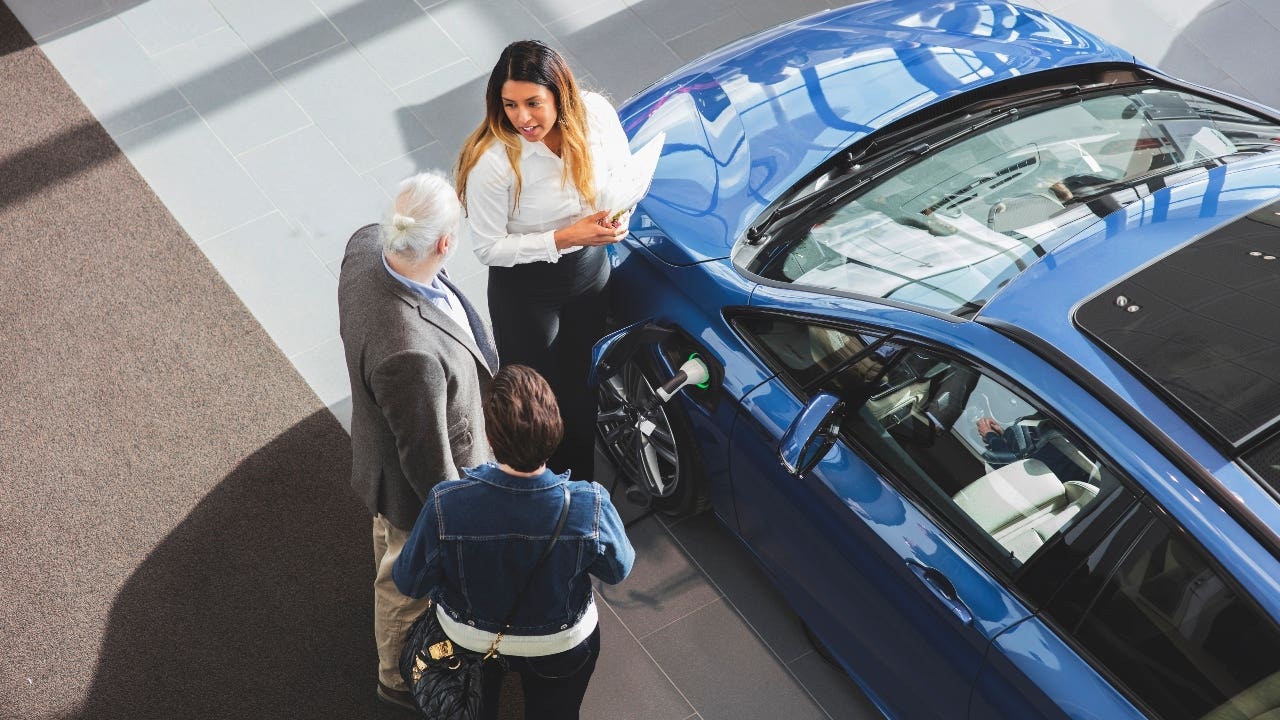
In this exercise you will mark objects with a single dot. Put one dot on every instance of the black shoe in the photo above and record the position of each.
(399, 698)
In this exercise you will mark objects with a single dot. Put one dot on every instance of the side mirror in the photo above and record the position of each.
(811, 436)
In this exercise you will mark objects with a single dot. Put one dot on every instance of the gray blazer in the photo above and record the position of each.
(416, 384)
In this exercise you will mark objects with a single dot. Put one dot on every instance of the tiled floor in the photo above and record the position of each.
(272, 129)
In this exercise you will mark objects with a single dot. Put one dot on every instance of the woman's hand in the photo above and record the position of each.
(593, 229)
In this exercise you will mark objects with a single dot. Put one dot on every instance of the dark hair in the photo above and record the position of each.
(532, 61)
(521, 418)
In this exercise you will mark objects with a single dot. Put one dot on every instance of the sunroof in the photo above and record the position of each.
(1202, 326)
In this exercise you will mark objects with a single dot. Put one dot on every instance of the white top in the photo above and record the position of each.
(501, 237)
(476, 640)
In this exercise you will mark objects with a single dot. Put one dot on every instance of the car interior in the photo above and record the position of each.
(948, 230)
(919, 413)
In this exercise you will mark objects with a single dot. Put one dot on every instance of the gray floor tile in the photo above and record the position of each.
(834, 691)
(354, 108)
(547, 11)
(449, 102)
(465, 267)
(1236, 36)
(342, 412)
(113, 76)
(159, 25)
(716, 661)
(484, 27)
(1177, 13)
(612, 44)
(1186, 60)
(664, 586)
(672, 18)
(628, 684)
(280, 32)
(208, 192)
(629, 512)
(434, 157)
(1268, 9)
(42, 17)
(732, 569)
(310, 182)
(334, 267)
(324, 367)
(242, 102)
(397, 37)
(474, 288)
(285, 287)
(763, 14)
(1108, 19)
(721, 31)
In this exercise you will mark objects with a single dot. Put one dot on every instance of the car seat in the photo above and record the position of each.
(1023, 504)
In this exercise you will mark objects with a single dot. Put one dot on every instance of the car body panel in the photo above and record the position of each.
(1030, 672)
(867, 564)
(1042, 300)
(862, 68)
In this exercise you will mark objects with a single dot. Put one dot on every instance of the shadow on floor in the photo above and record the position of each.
(258, 605)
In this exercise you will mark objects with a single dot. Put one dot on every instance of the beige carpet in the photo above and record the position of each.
(177, 538)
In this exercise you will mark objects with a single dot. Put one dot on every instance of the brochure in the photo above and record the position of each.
(628, 184)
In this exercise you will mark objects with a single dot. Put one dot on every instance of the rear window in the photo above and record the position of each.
(1202, 327)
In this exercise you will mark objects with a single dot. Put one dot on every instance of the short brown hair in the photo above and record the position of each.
(521, 418)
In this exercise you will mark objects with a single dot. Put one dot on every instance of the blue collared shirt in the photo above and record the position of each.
(438, 294)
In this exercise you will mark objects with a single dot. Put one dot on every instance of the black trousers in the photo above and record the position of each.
(553, 685)
(547, 316)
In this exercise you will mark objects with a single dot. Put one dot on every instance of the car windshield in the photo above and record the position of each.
(947, 231)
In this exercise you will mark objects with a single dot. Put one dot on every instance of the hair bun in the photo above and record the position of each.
(402, 222)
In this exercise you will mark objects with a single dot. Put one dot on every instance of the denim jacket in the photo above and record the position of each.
(478, 537)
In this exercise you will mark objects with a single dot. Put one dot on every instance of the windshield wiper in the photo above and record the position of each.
(853, 176)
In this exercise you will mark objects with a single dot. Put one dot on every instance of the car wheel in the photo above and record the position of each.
(649, 442)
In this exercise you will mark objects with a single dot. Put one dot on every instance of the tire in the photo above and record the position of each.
(659, 459)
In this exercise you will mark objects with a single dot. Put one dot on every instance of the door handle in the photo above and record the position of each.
(942, 588)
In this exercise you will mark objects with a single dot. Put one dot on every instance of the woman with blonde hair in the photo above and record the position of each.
(528, 178)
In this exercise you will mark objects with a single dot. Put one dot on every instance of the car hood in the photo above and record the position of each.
(748, 121)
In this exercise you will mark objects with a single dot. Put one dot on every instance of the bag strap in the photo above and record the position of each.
(546, 552)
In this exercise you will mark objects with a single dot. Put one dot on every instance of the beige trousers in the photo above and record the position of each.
(393, 613)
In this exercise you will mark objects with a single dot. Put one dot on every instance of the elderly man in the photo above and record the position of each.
(418, 356)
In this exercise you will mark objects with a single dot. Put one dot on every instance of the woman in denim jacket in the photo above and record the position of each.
(478, 537)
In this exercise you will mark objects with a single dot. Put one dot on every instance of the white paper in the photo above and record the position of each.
(629, 183)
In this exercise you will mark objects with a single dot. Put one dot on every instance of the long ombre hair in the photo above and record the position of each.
(532, 61)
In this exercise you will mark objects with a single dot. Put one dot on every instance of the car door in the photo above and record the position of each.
(899, 546)
(898, 604)
(1159, 618)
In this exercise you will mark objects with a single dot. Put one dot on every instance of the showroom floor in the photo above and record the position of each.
(272, 130)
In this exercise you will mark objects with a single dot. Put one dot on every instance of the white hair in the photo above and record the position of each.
(425, 210)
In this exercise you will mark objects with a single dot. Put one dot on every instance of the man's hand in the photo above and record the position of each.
(988, 425)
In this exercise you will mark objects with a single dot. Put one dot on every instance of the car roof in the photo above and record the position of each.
(748, 121)
(1067, 298)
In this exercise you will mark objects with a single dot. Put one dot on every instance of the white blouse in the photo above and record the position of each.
(504, 238)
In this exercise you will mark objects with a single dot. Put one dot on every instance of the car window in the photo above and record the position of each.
(1168, 626)
(983, 456)
(946, 232)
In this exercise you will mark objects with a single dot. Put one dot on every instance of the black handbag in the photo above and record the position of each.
(444, 679)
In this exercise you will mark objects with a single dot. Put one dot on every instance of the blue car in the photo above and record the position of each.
(967, 324)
